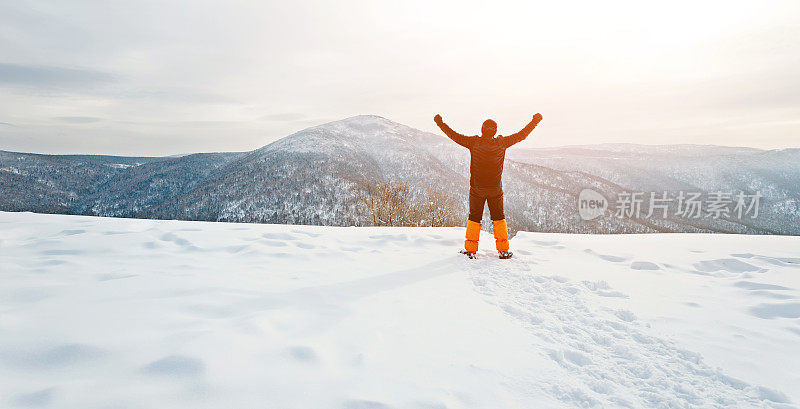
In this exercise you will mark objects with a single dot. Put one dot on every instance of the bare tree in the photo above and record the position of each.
(439, 209)
(390, 204)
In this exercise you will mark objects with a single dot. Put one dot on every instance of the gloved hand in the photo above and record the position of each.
(537, 118)
(437, 119)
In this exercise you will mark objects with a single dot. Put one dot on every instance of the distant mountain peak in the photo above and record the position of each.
(355, 120)
(367, 117)
(360, 131)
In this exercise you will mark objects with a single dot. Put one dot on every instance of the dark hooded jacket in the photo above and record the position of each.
(487, 155)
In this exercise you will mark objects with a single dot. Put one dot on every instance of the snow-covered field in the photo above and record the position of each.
(120, 313)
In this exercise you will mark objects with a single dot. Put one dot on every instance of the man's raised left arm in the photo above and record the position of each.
(522, 134)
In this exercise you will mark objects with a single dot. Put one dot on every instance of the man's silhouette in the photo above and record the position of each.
(487, 154)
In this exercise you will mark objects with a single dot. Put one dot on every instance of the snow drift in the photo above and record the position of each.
(100, 312)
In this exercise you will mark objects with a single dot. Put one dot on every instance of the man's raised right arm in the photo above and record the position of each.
(465, 141)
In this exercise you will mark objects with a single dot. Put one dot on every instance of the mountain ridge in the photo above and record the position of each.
(318, 175)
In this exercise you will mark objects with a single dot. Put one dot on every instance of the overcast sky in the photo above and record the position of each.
(166, 77)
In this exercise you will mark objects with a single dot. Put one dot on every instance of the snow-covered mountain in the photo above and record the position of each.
(53, 183)
(116, 185)
(112, 312)
(775, 174)
(317, 175)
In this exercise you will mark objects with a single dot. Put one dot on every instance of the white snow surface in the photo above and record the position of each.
(102, 312)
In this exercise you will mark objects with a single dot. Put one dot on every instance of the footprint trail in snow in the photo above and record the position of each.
(610, 357)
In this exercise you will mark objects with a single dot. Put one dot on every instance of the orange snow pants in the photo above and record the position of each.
(477, 198)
